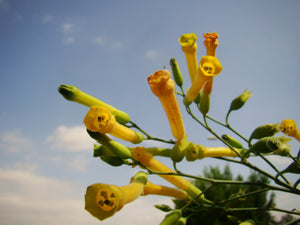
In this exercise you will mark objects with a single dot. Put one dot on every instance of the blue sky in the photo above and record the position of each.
(108, 49)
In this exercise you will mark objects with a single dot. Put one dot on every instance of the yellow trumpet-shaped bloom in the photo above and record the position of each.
(209, 67)
(189, 47)
(155, 189)
(163, 87)
(100, 119)
(289, 127)
(104, 200)
(216, 152)
(149, 161)
(211, 43)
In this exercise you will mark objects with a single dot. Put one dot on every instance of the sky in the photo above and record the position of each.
(108, 49)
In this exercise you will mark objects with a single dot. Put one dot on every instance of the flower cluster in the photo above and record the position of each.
(106, 125)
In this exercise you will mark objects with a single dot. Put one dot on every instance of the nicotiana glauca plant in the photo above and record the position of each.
(106, 124)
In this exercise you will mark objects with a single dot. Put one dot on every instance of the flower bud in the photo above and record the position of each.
(204, 103)
(239, 101)
(112, 160)
(233, 142)
(172, 217)
(181, 221)
(247, 222)
(163, 207)
(176, 72)
(266, 130)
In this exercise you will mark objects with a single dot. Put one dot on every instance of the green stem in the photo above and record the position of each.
(263, 209)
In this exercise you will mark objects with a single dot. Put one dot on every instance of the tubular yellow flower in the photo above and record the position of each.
(216, 152)
(72, 93)
(209, 67)
(163, 87)
(103, 200)
(149, 161)
(289, 127)
(155, 189)
(211, 43)
(100, 119)
(189, 47)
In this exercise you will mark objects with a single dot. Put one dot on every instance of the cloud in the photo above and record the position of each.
(68, 28)
(68, 40)
(47, 18)
(72, 139)
(28, 198)
(13, 141)
(151, 54)
(99, 41)
(117, 45)
(78, 163)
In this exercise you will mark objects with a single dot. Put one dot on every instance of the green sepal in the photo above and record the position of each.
(171, 218)
(140, 177)
(204, 104)
(163, 207)
(232, 141)
(178, 151)
(176, 72)
(266, 130)
(292, 168)
(181, 221)
(192, 152)
(116, 148)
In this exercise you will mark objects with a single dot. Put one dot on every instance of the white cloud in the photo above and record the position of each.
(99, 41)
(151, 54)
(68, 40)
(78, 163)
(13, 141)
(27, 198)
(47, 18)
(117, 45)
(70, 139)
(68, 28)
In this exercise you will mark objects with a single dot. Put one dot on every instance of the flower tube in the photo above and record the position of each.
(163, 87)
(155, 189)
(211, 43)
(216, 152)
(72, 93)
(149, 161)
(103, 200)
(100, 119)
(189, 47)
(289, 127)
(209, 67)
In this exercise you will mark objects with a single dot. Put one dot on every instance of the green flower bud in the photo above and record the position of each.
(275, 145)
(204, 103)
(100, 150)
(197, 99)
(239, 101)
(233, 142)
(140, 177)
(192, 152)
(247, 222)
(176, 72)
(72, 93)
(112, 160)
(181, 221)
(178, 151)
(172, 217)
(292, 168)
(116, 148)
(163, 207)
(266, 130)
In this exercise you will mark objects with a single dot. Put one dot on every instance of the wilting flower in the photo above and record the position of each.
(189, 47)
(209, 67)
(163, 87)
(149, 161)
(211, 43)
(155, 189)
(103, 200)
(72, 93)
(289, 127)
(100, 119)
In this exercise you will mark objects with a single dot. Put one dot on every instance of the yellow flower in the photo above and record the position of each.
(149, 161)
(216, 152)
(103, 200)
(211, 43)
(155, 189)
(163, 87)
(209, 67)
(289, 127)
(100, 119)
(189, 47)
